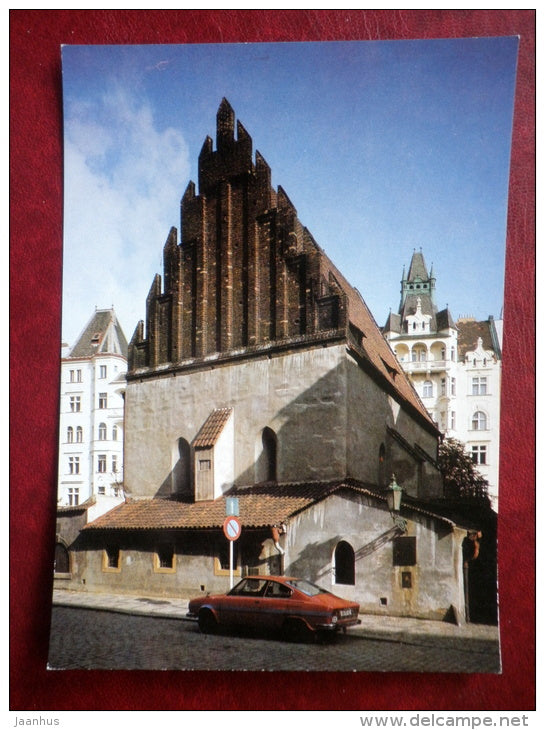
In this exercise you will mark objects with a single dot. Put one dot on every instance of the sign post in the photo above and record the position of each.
(231, 530)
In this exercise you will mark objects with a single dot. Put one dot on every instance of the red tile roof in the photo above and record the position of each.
(259, 506)
(375, 348)
(212, 427)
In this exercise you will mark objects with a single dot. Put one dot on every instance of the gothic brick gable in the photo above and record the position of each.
(247, 276)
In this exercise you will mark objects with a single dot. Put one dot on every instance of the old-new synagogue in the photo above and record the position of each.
(260, 374)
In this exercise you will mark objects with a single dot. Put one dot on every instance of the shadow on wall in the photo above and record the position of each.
(306, 438)
(314, 554)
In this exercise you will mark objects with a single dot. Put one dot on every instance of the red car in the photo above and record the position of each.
(294, 606)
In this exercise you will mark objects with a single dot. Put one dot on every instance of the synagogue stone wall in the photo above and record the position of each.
(301, 396)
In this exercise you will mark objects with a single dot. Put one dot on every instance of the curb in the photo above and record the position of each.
(479, 644)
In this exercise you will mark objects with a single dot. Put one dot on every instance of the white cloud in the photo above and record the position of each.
(123, 181)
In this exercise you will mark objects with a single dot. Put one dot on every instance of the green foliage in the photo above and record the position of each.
(461, 478)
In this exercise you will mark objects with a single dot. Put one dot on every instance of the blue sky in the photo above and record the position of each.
(382, 146)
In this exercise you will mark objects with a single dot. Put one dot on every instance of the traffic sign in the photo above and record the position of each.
(232, 528)
(231, 506)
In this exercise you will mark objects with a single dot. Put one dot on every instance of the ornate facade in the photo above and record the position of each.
(454, 366)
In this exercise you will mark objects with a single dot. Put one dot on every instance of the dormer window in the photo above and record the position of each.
(214, 455)
(95, 339)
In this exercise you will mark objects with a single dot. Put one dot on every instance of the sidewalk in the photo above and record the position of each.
(386, 628)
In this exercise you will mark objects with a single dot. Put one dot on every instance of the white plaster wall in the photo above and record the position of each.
(224, 458)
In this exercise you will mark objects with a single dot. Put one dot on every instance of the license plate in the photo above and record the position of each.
(345, 612)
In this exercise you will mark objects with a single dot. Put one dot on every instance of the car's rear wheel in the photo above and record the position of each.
(208, 623)
(295, 629)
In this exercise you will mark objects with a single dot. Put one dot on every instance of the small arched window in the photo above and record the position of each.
(102, 432)
(79, 434)
(344, 564)
(479, 421)
(381, 465)
(70, 435)
(268, 439)
(114, 433)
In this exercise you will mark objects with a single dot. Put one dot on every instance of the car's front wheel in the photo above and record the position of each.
(208, 623)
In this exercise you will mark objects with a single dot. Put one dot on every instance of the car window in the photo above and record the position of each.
(249, 587)
(277, 590)
(305, 586)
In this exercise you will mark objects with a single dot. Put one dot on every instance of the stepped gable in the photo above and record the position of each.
(248, 277)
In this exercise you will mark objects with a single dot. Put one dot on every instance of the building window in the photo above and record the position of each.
(427, 391)
(452, 420)
(101, 467)
(114, 433)
(70, 435)
(102, 490)
(72, 376)
(75, 403)
(452, 353)
(479, 421)
(73, 464)
(453, 386)
(73, 496)
(381, 465)
(478, 454)
(111, 559)
(268, 438)
(78, 376)
(344, 564)
(62, 559)
(164, 560)
(103, 371)
(114, 463)
(102, 432)
(79, 434)
(443, 386)
(221, 558)
(478, 386)
(205, 464)
(404, 552)
(103, 400)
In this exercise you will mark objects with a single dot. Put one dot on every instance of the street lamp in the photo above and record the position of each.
(393, 497)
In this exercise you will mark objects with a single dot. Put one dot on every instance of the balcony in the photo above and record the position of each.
(425, 366)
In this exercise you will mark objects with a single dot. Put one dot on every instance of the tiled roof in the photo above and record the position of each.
(259, 506)
(212, 427)
(469, 332)
(417, 267)
(91, 341)
(375, 347)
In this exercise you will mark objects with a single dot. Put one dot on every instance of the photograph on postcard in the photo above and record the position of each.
(281, 362)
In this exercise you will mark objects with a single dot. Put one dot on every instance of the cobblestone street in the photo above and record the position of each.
(87, 639)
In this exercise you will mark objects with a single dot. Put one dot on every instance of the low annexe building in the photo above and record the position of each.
(175, 548)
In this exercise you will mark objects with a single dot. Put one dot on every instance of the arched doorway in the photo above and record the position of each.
(62, 559)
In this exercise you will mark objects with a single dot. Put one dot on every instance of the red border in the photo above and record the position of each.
(36, 234)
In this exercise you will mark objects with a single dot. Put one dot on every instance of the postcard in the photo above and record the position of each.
(282, 348)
